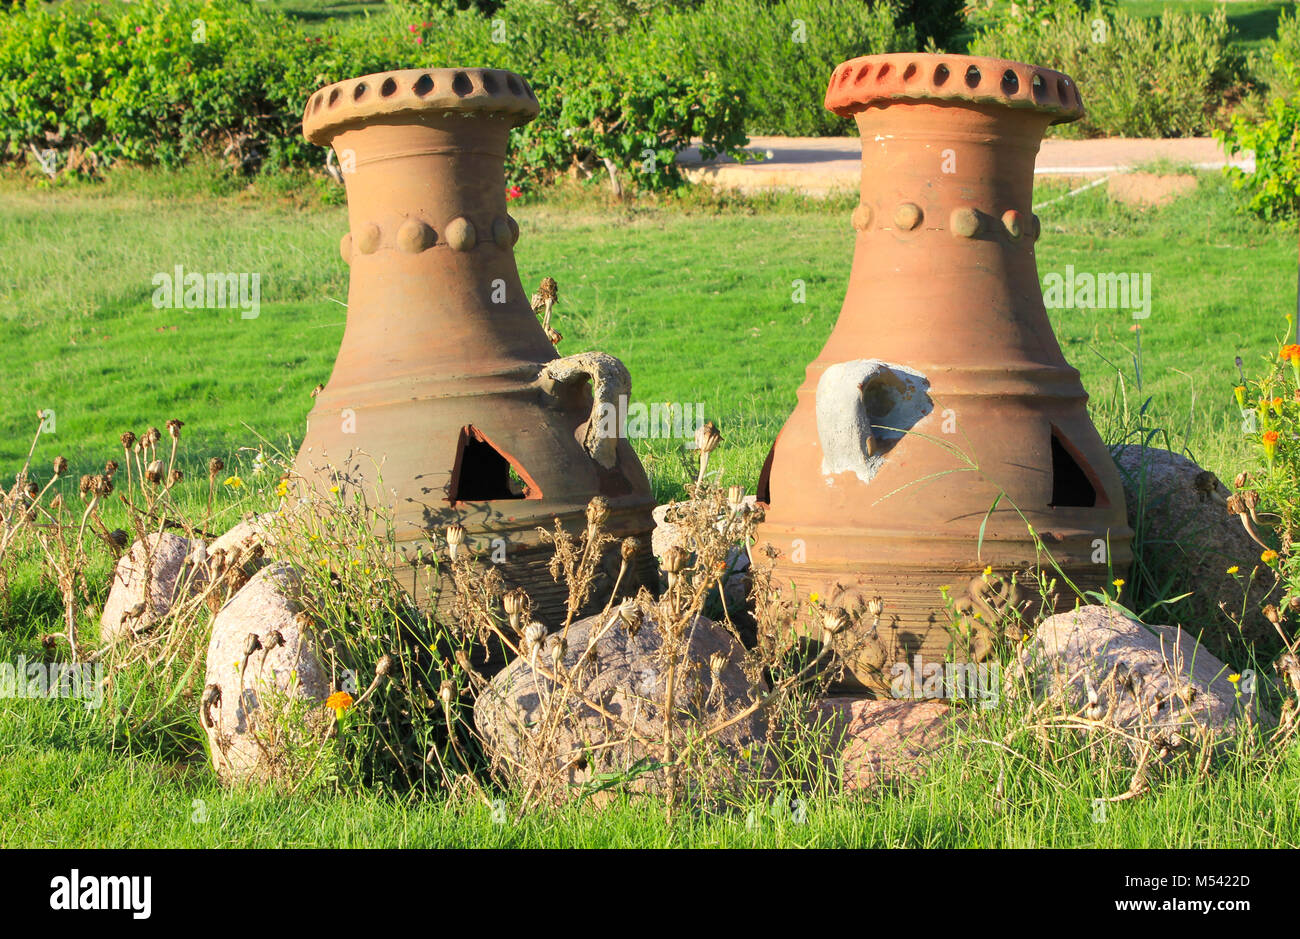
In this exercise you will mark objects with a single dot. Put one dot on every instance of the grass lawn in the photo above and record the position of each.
(695, 296)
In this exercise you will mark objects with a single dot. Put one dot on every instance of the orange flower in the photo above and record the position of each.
(339, 702)
(1270, 443)
(1290, 353)
(1269, 557)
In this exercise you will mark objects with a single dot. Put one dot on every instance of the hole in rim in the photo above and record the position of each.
(513, 84)
(910, 72)
(940, 74)
(1040, 89)
(334, 97)
(1010, 82)
(863, 72)
(973, 76)
(1063, 90)
(884, 70)
(358, 91)
(489, 83)
(388, 88)
(423, 85)
(461, 84)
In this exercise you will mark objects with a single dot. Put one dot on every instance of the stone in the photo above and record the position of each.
(1189, 538)
(626, 677)
(878, 744)
(147, 581)
(1146, 679)
(739, 579)
(255, 720)
(242, 541)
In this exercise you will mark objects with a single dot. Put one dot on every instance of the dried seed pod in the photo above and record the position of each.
(559, 646)
(447, 693)
(128, 440)
(707, 437)
(835, 620)
(1236, 504)
(674, 559)
(455, 538)
(515, 603)
(84, 486)
(534, 634)
(118, 537)
(174, 428)
(1271, 614)
(60, 465)
(273, 640)
(57, 502)
(629, 614)
(152, 436)
(597, 512)
(199, 556)
(251, 644)
(717, 662)
(110, 468)
(384, 667)
(628, 549)
(101, 485)
(876, 606)
(1241, 480)
(215, 466)
(154, 471)
(735, 497)
(175, 477)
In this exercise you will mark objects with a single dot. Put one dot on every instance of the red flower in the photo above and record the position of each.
(514, 192)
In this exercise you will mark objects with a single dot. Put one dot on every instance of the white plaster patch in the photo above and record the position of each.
(863, 406)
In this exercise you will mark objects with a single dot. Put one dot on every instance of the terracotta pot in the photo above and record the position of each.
(444, 374)
(942, 392)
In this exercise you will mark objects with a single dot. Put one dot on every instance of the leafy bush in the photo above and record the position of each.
(933, 20)
(159, 82)
(1140, 77)
(780, 54)
(1274, 186)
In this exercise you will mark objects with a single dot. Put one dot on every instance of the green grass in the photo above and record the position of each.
(59, 788)
(696, 300)
(695, 296)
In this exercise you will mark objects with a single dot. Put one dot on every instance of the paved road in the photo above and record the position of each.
(818, 165)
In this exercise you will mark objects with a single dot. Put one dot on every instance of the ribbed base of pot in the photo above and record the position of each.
(530, 569)
(516, 550)
(920, 609)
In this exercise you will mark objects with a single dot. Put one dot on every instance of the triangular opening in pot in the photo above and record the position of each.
(485, 473)
(1073, 484)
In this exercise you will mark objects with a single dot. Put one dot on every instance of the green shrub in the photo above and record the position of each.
(1139, 77)
(937, 21)
(157, 82)
(780, 54)
(1274, 187)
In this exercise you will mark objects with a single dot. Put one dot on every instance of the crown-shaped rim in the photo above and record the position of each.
(490, 92)
(874, 80)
